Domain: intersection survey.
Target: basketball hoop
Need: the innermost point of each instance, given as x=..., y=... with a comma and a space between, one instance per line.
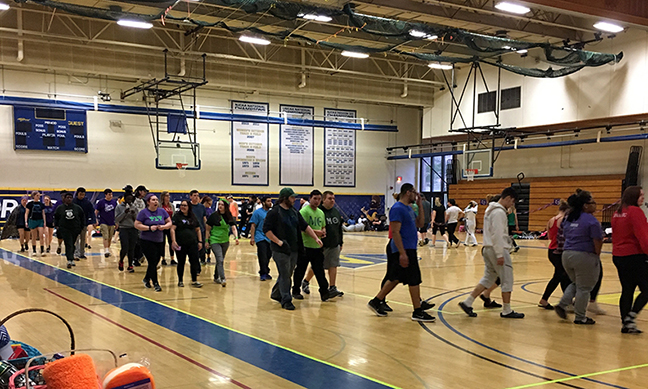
x=470, y=174
x=182, y=167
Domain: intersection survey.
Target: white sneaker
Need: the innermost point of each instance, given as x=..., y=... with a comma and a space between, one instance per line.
x=594, y=308
x=43, y=253
x=34, y=254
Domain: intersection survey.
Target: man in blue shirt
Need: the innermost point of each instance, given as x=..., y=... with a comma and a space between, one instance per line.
x=264, y=253
x=402, y=259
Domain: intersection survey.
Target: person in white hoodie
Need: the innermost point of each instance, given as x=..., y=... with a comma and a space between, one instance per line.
x=471, y=223
x=496, y=256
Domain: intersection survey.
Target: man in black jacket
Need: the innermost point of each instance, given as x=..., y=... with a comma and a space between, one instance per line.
x=88, y=219
x=69, y=220
x=282, y=226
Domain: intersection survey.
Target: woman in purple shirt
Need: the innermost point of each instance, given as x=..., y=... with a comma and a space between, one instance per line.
x=581, y=252
x=152, y=221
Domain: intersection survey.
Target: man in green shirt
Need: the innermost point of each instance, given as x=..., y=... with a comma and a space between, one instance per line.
x=313, y=252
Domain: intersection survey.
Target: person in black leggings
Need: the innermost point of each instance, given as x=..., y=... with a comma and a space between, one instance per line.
x=560, y=276
x=152, y=221
x=187, y=241
x=125, y=215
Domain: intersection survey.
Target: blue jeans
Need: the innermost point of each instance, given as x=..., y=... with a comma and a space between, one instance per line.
x=285, y=266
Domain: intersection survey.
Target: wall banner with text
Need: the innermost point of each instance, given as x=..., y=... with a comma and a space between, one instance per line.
x=296, y=151
x=250, y=146
x=339, y=150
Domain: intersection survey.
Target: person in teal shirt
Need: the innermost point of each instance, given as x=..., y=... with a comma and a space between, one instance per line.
x=264, y=253
x=218, y=228
x=313, y=252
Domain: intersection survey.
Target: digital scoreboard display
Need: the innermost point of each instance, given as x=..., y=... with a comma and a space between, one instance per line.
x=50, y=129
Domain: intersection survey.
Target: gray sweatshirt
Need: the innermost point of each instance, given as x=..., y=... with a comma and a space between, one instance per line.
x=496, y=229
x=125, y=215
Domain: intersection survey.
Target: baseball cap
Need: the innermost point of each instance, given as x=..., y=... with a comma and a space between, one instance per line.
x=141, y=187
x=287, y=192
x=128, y=188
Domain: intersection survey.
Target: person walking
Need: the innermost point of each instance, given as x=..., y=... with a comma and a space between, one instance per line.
x=258, y=238
x=402, y=261
x=70, y=221
x=200, y=212
x=427, y=219
x=219, y=225
x=247, y=209
x=151, y=222
x=207, y=202
x=581, y=255
x=452, y=217
x=471, y=223
x=630, y=256
x=186, y=240
x=21, y=225
x=313, y=252
x=49, y=222
x=234, y=208
x=282, y=226
x=105, y=211
x=125, y=216
x=513, y=226
x=35, y=220
x=139, y=203
x=165, y=203
x=89, y=220
x=496, y=256
x=559, y=277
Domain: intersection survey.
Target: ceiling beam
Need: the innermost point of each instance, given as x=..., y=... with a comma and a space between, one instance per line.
x=629, y=11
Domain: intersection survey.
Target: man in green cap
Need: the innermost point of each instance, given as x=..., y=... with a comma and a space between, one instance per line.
x=282, y=226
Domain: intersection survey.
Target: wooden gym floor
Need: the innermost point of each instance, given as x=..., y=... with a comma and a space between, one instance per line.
x=236, y=336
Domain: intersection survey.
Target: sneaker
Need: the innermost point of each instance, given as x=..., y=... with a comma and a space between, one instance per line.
x=48, y=250
x=22, y=249
x=492, y=304
x=147, y=283
x=174, y=262
x=34, y=254
x=217, y=280
x=121, y=266
x=223, y=283
x=202, y=262
x=594, y=308
x=298, y=296
x=69, y=265
x=548, y=307
x=164, y=262
x=87, y=246
x=334, y=292
x=180, y=284
x=43, y=254
x=561, y=312
x=425, y=305
x=131, y=270
x=467, y=309
x=376, y=307
x=277, y=299
x=208, y=259
x=157, y=288
x=58, y=251
x=83, y=257
x=516, y=249
x=268, y=277
x=422, y=316
x=426, y=241
x=262, y=277
x=386, y=307
x=196, y=284
x=289, y=306
x=587, y=321
x=136, y=263
x=628, y=330
x=326, y=297
x=305, y=287
x=106, y=255
x=512, y=315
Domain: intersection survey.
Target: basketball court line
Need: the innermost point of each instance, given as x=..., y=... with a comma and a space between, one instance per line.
x=580, y=376
x=286, y=363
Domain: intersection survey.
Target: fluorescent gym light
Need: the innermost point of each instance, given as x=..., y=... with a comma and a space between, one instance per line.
x=417, y=33
x=134, y=24
x=608, y=27
x=523, y=51
x=253, y=40
x=4, y=7
x=440, y=66
x=354, y=54
x=319, y=18
x=512, y=8
x=432, y=37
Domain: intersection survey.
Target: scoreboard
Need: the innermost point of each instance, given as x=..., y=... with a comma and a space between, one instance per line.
x=50, y=129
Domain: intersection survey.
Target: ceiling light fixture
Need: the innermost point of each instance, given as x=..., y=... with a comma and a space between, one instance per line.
x=4, y=7
x=440, y=66
x=134, y=23
x=432, y=37
x=354, y=54
x=512, y=8
x=523, y=51
x=608, y=27
x=319, y=18
x=417, y=33
x=253, y=40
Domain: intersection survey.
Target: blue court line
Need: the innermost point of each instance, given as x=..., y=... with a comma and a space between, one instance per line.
x=443, y=320
x=288, y=364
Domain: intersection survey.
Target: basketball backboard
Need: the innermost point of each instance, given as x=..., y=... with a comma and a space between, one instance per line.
x=480, y=161
x=170, y=154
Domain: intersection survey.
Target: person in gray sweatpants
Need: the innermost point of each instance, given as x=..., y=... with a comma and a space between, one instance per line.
x=583, y=242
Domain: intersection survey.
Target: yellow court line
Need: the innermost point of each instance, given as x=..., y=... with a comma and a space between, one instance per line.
x=211, y=322
x=173, y=191
x=579, y=377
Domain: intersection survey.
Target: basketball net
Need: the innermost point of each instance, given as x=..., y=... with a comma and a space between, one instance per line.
x=470, y=174
x=182, y=168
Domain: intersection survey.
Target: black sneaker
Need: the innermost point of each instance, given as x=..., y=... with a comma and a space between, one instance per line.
x=147, y=283
x=69, y=265
x=268, y=277
x=22, y=249
x=516, y=249
x=467, y=309
x=157, y=288
x=196, y=284
x=422, y=316
x=512, y=315
x=131, y=270
x=334, y=292
x=386, y=307
x=298, y=296
x=587, y=321
x=180, y=284
x=560, y=311
x=48, y=250
x=277, y=299
x=106, y=255
x=164, y=262
x=136, y=263
x=425, y=305
x=174, y=262
x=58, y=251
x=492, y=304
x=289, y=306
x=305, y=287
x=83, y=257
x=120, y=266
x=548, y=307
x=376, y=307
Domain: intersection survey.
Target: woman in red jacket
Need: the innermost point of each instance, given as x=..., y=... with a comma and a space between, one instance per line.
x=630, y=255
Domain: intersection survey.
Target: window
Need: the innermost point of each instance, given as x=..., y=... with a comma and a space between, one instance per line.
x=426, y=172
x=511, y=98
x=486, y=102
x=437, y=174
x=448, y=159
